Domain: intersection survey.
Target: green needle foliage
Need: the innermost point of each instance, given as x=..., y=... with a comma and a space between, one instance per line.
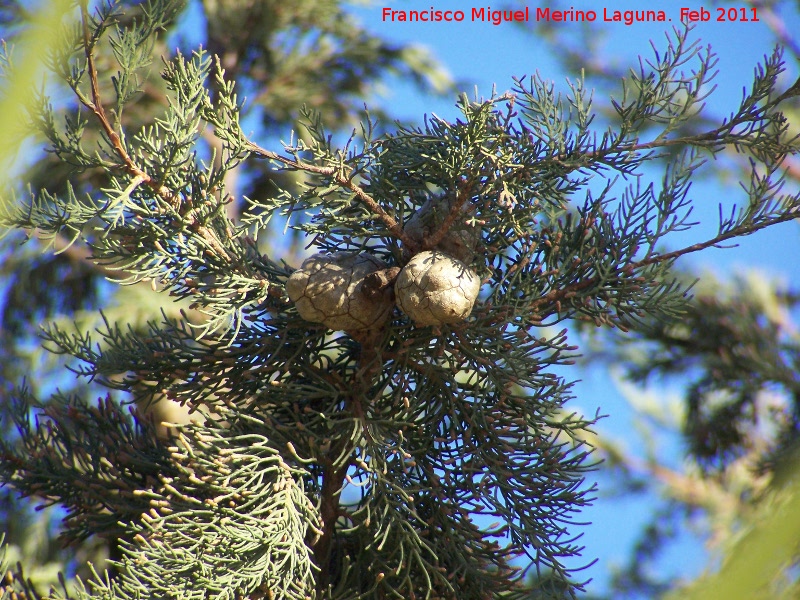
x=394, y=462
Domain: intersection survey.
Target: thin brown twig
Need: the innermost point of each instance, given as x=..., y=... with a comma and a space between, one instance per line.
x=733, y=233
x=97, y=107
x=557, y=296
x=395, y=228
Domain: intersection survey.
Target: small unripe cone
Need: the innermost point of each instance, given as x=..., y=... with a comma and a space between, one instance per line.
x=461, y=239
x=434, y=288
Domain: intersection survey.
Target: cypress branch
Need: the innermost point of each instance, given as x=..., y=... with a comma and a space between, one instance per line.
x=363, y=464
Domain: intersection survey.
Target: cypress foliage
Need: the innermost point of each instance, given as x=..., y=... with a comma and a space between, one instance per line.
x=402, y=459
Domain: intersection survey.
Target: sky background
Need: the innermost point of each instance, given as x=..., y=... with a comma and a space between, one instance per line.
x=481, y=55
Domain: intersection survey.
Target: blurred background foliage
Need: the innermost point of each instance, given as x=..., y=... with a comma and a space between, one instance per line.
x=735, y=352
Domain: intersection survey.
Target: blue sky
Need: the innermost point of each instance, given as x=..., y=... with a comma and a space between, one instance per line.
x=482, y=55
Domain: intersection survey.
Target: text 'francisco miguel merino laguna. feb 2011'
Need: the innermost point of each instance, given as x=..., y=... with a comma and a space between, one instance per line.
x=571, y=15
